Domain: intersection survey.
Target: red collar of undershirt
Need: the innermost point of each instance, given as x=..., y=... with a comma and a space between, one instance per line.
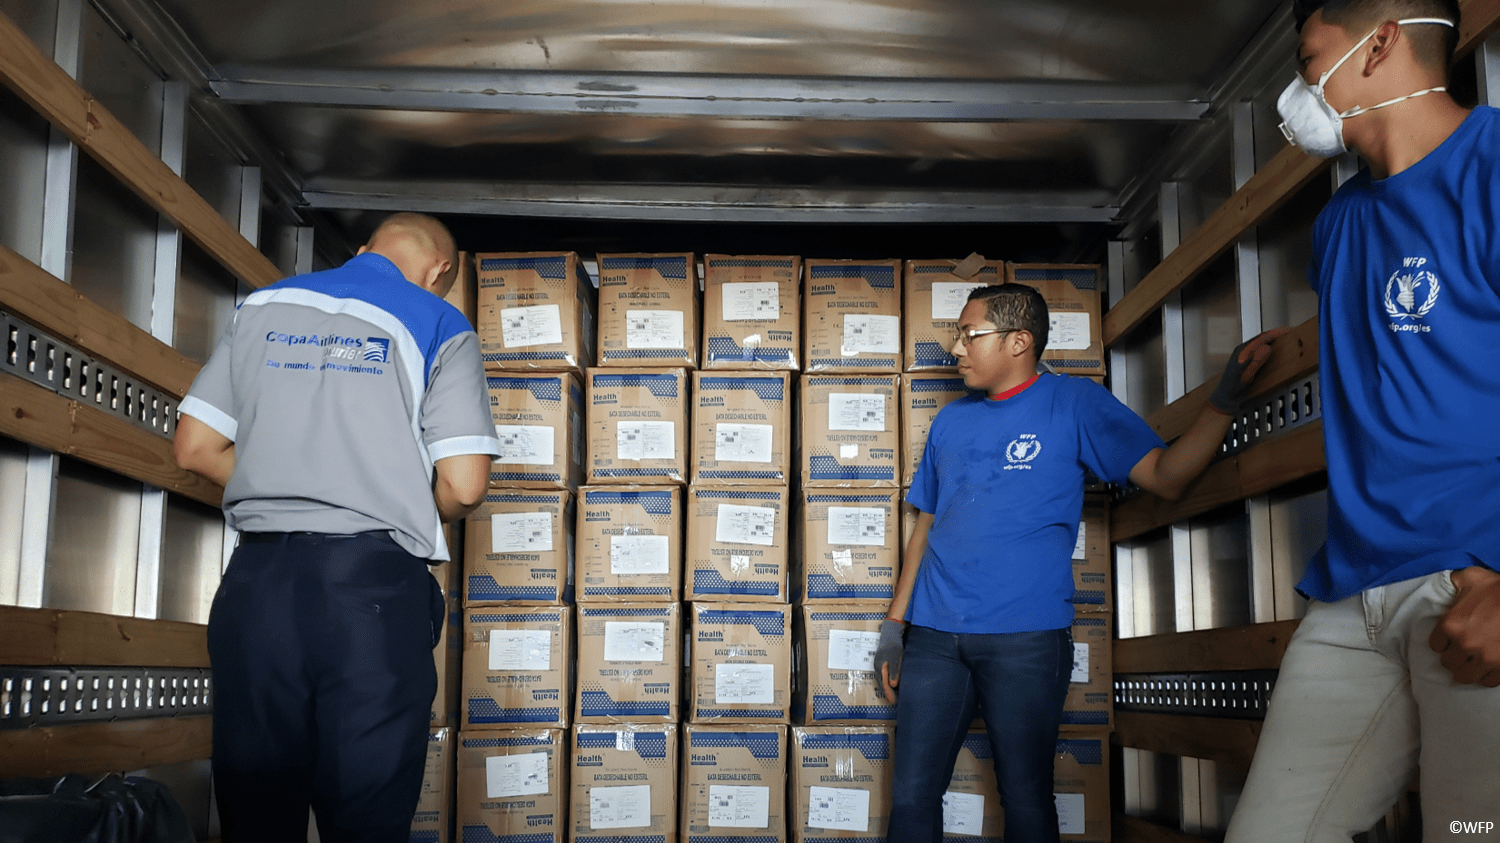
x=1015, y=390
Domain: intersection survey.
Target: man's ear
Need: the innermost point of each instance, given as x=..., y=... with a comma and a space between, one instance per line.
x=361, y=250
x=1022, y=342
x=1380, y=46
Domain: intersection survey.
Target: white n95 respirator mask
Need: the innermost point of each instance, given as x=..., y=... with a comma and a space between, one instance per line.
x=1311, y=124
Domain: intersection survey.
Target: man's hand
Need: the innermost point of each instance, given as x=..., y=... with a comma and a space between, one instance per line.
x=1467, y=636
x=1241, y=368
x=888, y=658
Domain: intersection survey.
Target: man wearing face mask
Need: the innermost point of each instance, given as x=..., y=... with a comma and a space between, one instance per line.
x=1395, y=665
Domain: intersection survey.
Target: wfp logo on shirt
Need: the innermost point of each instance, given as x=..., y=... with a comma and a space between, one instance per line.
x=1410, y=295
x=1021, y=452
x=375, y=350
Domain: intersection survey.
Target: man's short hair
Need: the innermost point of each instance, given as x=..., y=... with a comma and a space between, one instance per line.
x=1434, y=46
x=426, y=231
x=1017, y=307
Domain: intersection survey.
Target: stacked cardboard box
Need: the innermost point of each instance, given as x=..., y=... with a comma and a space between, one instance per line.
x=841, y=783
x=647, y=310
x=535, y=312
x=1073, y=296
x=623, y=783
x=852, y=322
x=936, y=290
x=752, y=313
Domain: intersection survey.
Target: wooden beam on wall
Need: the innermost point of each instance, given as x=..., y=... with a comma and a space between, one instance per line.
x=69, y=637
x=112, y=746
x=1225, y=740
x=1264, y=466
x=55, y=96
x=59, y=309
x=1244, y=648
x=40, y=417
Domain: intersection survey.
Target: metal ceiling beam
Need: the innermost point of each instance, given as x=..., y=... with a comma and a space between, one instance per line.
x=682, y=95
x=713, y=203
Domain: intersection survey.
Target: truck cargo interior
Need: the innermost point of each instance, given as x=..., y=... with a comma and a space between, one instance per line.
x=160, y=160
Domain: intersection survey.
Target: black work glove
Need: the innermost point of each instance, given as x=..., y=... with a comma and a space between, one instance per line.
x=888, y=657
x=1245, y=361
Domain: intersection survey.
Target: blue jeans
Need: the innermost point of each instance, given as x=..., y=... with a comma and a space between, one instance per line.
x=1018, y=681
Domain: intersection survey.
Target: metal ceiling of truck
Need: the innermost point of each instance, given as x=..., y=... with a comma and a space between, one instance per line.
x=839, y=112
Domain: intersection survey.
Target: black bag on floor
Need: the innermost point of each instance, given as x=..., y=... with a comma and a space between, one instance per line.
x=75, y=808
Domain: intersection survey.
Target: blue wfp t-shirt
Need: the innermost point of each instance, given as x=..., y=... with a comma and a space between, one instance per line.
x=1005, y=483
x=1407, y=270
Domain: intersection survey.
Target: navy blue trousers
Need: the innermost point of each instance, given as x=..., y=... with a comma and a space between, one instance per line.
x=1018, y=681
x=321, y=651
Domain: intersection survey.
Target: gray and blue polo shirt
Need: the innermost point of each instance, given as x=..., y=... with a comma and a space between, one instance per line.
x=341, y=389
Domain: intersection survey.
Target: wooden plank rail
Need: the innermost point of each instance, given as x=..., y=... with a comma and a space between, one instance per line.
x=98, y=747
x=1282, y=459
x=69, y=637
x=59, y=309
x=1136, y=829
x=1251, y=646
x=1225, y=740
x=43, y=418
x=55, y=95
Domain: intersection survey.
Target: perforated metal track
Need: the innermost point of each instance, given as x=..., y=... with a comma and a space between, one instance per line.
x=1216, y=694
x=38, y=357
x=32, y=696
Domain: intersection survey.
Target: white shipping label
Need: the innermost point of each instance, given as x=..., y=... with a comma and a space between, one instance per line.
x=848, y=451
x=839, y=809
x=646, y=440
x=964, y=813
x=745, y=525
x=1079, y=542
x=744, y=683
x=1068, y=331
x=949, y=298
x=852, y=650
x=856, y=412
x=1071, y=812
x=738, y=806
x=655, y=329
x=516, y=532
x=856, y=525
x=634, y=641
x=744, y=442
x=518, y=774
x=1080, y=673
x=523, y=444
x=738, y=564
x=871, y=334
x=640, y=555
x=620, y=806
x=524, y=326
x=751, y=301
x=518, y=650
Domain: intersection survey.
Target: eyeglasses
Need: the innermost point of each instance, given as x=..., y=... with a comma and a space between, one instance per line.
x=967, y=336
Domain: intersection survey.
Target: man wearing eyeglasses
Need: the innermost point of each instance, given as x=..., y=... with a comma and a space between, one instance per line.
x=985, y=582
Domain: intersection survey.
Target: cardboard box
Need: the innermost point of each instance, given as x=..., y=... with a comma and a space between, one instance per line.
x=1082, y=786
x=628, y=662
x=623, y=783
x=741, y=663
x=841, y=783
x=741, y=428
x=648, y=314
x=751, y=312
x=539, y=422
x=535, y=312
x=852, y=321
x=1074, y=316
x=637, y=425
x=733, y=783
x=837, y=669
x=1089, y=278
x=850, y=433
x=849, y=545
x=1088, y=705
x=737, y=544
x=511, y=785
x=445, y=710
x=972, y=805
x=628, y=543
x=463, y=293
x=435, y=816
x=1092, y=562
x=922, y=395
x=935, y=295
x=516, y=666
x=520, y=548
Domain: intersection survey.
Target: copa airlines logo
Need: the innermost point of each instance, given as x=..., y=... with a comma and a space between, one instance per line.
x=1410, y=295
x=375, y=350
x=1022, y=451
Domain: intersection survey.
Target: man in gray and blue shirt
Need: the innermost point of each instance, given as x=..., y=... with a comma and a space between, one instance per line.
x=346, y=415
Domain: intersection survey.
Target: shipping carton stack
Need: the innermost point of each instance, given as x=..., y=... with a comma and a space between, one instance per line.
x=1074, y=315
x=936, y=290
